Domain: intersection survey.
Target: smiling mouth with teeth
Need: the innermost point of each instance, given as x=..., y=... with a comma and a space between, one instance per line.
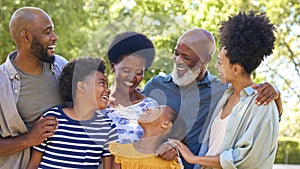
x=105, y=97
x=51, y=47
x=128, y=83
x=180, y=68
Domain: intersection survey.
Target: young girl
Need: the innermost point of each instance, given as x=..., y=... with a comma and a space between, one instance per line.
x=158, y=124
x=241, y=134
x=82, y=136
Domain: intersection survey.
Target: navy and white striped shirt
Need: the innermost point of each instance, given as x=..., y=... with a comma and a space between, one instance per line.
x=77, y=144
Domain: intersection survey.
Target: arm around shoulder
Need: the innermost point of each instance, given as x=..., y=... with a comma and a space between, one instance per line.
x=278, y=103
x=13, y=145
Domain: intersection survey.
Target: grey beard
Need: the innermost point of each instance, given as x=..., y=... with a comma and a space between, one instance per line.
x=188, y=76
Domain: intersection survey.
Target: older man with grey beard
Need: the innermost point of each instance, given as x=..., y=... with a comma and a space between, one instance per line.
x=191, y=90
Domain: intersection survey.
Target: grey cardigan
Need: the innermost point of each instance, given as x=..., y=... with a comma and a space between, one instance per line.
x=11, y=124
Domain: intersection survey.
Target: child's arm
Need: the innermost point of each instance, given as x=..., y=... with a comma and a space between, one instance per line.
x=115, y=165
x=35, y=159
x=107, y=162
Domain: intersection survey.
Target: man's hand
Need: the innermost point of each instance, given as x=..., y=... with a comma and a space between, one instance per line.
x=41, y=129
x=167, y=152
x=266, y=93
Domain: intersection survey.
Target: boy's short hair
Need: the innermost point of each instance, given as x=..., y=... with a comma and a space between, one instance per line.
x=77, y=70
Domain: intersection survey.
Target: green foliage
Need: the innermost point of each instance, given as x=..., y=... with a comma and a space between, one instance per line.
x=288, y=151
x=87, y=27
x=6, y=43
x=69, y=18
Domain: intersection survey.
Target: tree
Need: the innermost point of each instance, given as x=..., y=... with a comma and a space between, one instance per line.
x=86, y=28
x=69, y=18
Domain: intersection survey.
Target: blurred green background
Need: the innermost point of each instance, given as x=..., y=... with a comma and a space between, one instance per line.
x=85, y=28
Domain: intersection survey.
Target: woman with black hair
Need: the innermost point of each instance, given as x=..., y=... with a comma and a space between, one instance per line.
x=129, y=54
x=241, y=133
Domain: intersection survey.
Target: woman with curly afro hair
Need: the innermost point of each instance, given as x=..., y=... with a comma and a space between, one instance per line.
x=241, y=133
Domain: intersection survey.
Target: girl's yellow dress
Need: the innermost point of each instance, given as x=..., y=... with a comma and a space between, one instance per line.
x=129, y=158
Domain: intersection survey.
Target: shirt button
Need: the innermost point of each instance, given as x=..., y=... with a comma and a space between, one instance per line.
x=16, y=91
x=17, y=77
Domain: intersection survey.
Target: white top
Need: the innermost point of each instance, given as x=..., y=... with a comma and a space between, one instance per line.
x=217, y=134
x=251, y=134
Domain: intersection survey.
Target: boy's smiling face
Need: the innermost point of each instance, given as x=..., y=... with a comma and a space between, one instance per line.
x=97, y=91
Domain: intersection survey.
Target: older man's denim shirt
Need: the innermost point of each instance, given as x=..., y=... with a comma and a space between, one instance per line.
x=194, y=102
x=251, y=134
x=10, y=121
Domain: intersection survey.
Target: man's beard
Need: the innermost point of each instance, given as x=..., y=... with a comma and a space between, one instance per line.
x=188, y=77
x=40, y=52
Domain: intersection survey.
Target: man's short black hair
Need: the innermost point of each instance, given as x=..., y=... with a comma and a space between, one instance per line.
x=131, y=43
x=247, y=38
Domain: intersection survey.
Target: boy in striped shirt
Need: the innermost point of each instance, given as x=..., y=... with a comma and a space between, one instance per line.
x=82, y=136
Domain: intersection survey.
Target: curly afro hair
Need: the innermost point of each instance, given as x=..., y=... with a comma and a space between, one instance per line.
x=128, y=43
x=77, y=70
x=247, y=38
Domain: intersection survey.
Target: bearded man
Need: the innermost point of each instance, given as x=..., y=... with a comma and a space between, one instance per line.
x=29, y=85
x=192, y=91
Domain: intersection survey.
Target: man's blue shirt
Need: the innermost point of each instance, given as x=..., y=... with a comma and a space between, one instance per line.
x=195, y=103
